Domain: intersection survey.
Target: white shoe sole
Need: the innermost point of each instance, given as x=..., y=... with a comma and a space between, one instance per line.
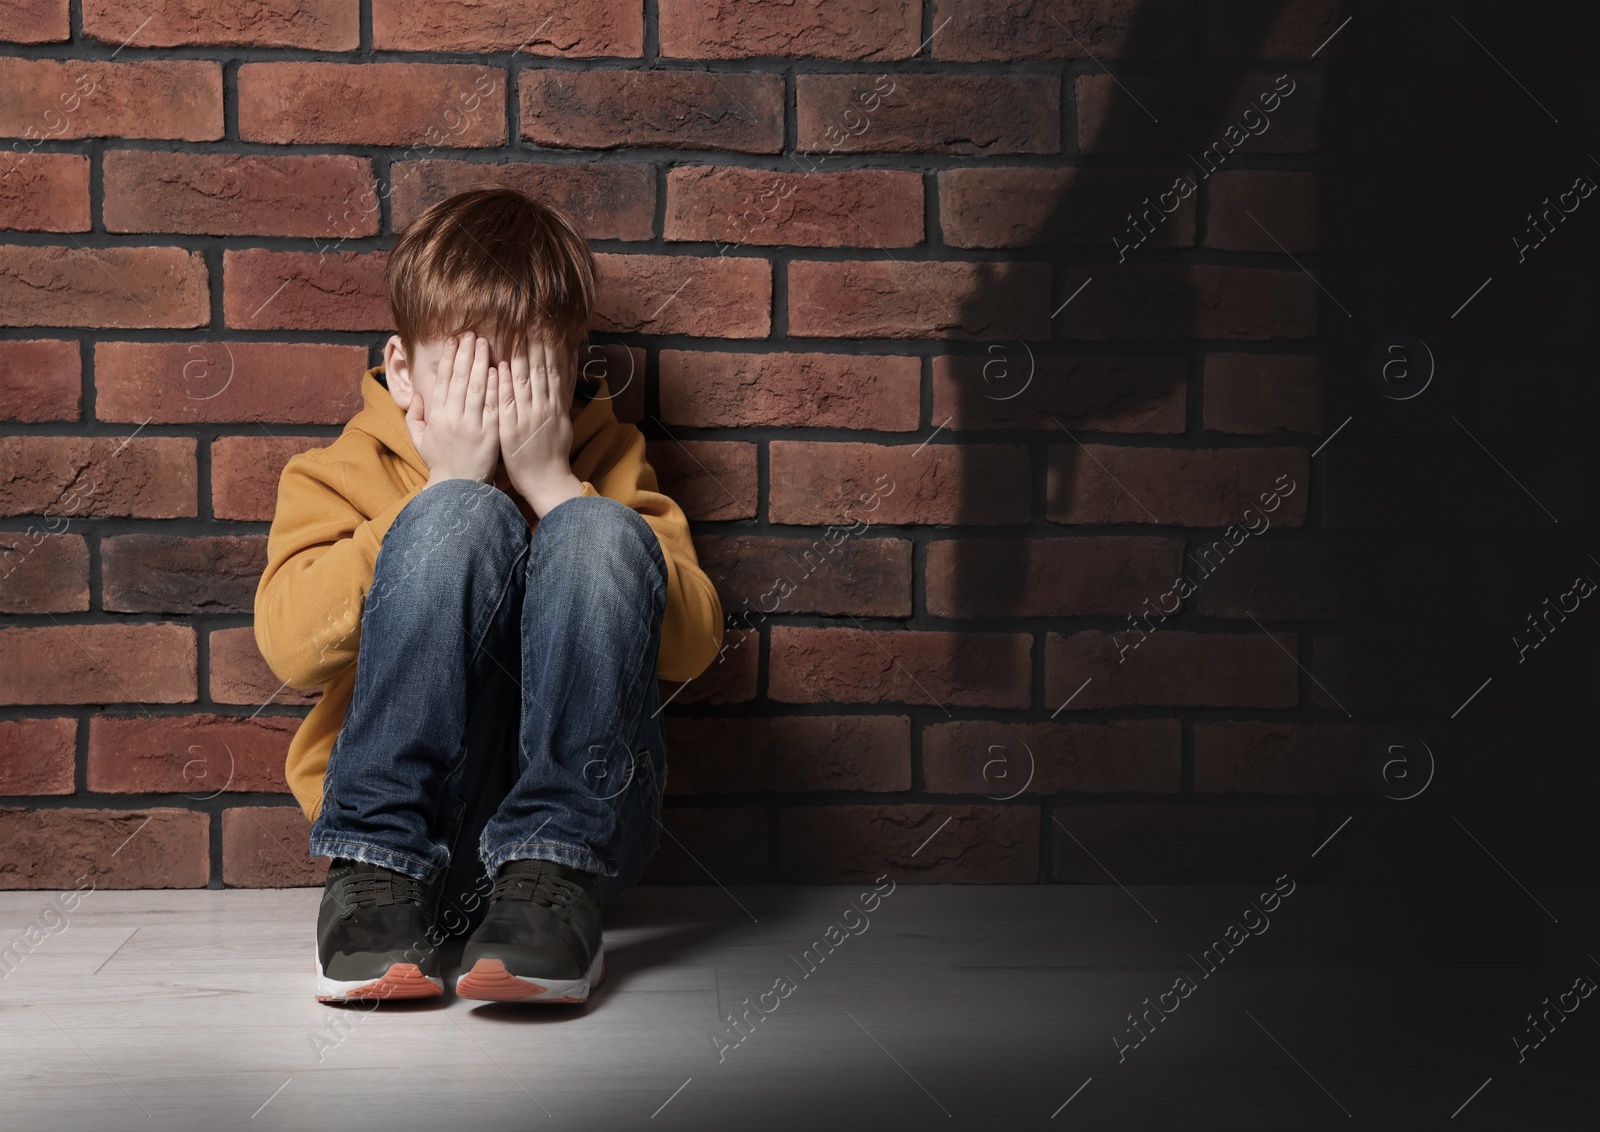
x=489, y=981
x=400, y=981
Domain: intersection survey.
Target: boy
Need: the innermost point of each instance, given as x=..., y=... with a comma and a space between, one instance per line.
x=515, y=585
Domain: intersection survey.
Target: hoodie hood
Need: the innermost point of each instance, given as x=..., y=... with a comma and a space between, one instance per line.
x=384, y=421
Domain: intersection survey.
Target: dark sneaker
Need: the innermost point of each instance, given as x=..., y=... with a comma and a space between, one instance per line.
x=372, y=936
x=540, y=937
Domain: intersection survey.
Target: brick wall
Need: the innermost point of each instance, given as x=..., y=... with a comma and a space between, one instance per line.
x=952, y=392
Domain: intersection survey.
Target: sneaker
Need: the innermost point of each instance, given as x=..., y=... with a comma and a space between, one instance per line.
x=372, y=936
x=540, y=937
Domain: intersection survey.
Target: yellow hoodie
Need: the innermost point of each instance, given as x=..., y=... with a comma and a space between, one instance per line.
x=336, y=503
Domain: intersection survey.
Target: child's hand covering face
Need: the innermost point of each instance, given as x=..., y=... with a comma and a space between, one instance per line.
x=535, y=420
x=457, y=432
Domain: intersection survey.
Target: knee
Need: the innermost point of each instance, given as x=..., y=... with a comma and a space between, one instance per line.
x=456, y=523
x=603, y=540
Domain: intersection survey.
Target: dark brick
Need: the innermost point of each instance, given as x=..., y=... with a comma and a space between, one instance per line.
x=1170, y=667
x=1179, y=844
x=1004, y=760
x=175, y=574
x=831, y=573
x=910, y=844
x=790, y=753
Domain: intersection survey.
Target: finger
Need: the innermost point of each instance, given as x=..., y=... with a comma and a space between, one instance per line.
x=477, y=379
x=440, y=389
x=555, y=376
x=493, y=398
x=519, y=392
x=519, y=357
x=539, y=377
x=461, y=370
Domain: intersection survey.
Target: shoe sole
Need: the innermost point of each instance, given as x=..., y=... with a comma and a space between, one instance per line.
x=400, y=981
x=489, y=981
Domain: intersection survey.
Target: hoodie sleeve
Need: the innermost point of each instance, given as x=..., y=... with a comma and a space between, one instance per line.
x=321, y=552
x=612, y=463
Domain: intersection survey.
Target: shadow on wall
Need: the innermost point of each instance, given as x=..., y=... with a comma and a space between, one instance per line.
x=1306, y=305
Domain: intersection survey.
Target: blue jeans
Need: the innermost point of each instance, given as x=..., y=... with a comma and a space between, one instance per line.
x=505, y=691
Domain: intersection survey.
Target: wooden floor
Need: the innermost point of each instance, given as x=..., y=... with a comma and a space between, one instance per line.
x=952, y=1007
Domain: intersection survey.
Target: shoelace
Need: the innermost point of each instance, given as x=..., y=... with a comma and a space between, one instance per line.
x=366, y=890
x=540, y=887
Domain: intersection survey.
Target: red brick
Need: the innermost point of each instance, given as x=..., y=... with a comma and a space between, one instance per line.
x=862, y=666
x=239, y=675
x=1178, y=300
x=44, y=192
x=608, y=201
x=245, y=471
x=320, y=25
x=181, y=573
x=227, y=194
x=37, y=21
x=106, y=664
x=703, y=389
x=830, y=573
x=726, y=297
x=142, y=477
x=1055, y=577
x=1006, y=760
x=622, y=370
x=1009, y=386
x=572, y=30
x=1273, y=29
x=1282, y=758
x=198, y=755
x=1262, y=393
x=41, y=380
x=709, y=479
x=1306, y=580
x=89, y=850
x=264, y=290
x=922, y=299
x=788, y=754
x=1170, y=667
x=36, y=756
x=862, y=208
x=1081, y=208
x=681, y=109
x=964, y=114
x=1213, y=117
x=1286, y=205
x=910, y=844
x=846, y=29
x=816, y=482
x=122, y=288
x=711, y=846
x=729, y=679
x=180, y=383
x=1179, y=844
x=269, y=847
x=43, y=570
x=1007, y=30
x=173, y=99
x=1188, y=487
x=392, y=104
